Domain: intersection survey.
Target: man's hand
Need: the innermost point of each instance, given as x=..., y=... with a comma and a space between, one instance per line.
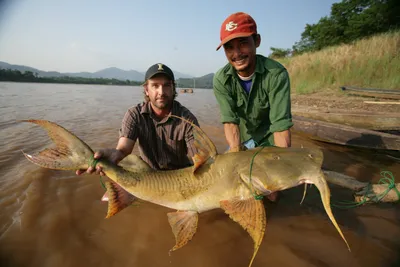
x=237, y=149
x=113, y=155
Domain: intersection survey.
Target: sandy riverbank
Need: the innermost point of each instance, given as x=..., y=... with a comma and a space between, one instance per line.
x=331, y=99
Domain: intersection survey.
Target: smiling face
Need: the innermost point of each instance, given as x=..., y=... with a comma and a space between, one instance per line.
x=241, y=54
x=160, y=91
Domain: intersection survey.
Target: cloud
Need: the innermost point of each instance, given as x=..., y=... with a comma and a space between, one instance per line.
x=73, y=45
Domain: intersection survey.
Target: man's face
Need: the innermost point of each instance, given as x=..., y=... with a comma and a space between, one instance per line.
x=160, y=91
x=241, y=54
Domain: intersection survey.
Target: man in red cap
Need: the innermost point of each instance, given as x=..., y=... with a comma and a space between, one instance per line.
x=253, y=91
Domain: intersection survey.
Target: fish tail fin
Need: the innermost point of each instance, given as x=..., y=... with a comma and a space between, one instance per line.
x=70, y=153
x=325, y=193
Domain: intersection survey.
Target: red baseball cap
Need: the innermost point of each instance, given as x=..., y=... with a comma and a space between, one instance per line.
x=237, y=25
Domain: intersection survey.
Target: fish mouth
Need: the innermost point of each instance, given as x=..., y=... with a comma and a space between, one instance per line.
x=305, y=181
x=261, y=189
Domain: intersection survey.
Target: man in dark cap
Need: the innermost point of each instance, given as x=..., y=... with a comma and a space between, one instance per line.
x=165, y=143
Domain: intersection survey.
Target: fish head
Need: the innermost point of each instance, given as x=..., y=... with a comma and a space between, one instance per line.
x=268, y=170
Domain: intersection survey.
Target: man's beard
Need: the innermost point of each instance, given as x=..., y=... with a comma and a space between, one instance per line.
x=163, y=105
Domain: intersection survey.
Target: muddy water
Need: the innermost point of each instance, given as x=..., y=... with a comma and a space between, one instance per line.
x=54, y=218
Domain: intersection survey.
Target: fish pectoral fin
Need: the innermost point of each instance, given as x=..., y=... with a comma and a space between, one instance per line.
x=200, y=158
x=118, y=198
x=250, y=214
x=184, y=226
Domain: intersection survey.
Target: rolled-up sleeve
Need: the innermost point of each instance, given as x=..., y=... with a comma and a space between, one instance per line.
x=226, y=103
x=279, y=97
x=129, y=127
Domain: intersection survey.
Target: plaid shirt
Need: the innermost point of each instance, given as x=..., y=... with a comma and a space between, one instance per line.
x=165, y=145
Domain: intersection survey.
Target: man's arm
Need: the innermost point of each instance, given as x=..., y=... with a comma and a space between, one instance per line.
x=123, y=149
x=280, y=114
x=282, y=139
x=128, y=133
x=232, y=135
x=228, y=114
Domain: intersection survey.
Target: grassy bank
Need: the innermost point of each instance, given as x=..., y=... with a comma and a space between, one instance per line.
x=369, y=63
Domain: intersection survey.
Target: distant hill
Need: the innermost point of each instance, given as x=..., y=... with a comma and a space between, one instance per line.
x=4, y=65
x=115, y=73
x=179, y=75
x=205, y=81
x=108, y=73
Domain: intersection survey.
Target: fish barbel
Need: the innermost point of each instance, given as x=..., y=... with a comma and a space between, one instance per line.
x=233, y=182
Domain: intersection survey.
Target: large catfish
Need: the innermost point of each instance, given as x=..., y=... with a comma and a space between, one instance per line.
x=234, y=182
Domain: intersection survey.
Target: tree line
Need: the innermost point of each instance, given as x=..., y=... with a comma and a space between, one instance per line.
x=349, y=20
x=29, y=76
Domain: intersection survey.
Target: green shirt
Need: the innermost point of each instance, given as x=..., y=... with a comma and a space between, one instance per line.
x=265, y=110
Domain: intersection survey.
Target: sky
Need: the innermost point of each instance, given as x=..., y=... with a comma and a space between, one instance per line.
x=90, y=35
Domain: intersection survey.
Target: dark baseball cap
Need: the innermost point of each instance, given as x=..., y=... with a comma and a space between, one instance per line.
x=159, y=68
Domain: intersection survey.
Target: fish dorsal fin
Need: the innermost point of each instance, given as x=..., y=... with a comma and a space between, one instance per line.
x=250, y=214
x=184, y=226
x=206, y=149
x=118, y=198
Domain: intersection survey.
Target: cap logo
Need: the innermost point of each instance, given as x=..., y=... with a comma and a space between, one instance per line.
x=160, y=66
x=230, y=26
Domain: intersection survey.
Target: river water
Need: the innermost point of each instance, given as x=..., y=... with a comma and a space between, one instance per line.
x=55, y=218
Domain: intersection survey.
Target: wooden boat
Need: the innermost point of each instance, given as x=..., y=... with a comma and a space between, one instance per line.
x=189, y=90
x=345, y=135
x=366, y=120
x=380, y=93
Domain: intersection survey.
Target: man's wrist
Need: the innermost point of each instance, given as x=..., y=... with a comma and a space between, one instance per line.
x=238, y=148
x=119, y=155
